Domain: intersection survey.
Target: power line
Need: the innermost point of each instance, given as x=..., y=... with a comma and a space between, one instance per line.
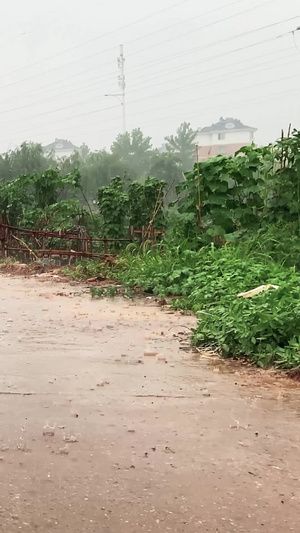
x=179, y=103
x=134, y=70
x=53, y=56
x=294, y=39
x=189, y=52
x=213, y=23
x=112, y=48
x=226, y=53
x=102, y=109
x=247, y=68
x=101, y=52
x=67, y=78
x=213, y=69
x=191, y=19
x=235, y=102
x=220, y=79
x=222, y=55
x=222, y=41
x=211, y=95
x=96, y=85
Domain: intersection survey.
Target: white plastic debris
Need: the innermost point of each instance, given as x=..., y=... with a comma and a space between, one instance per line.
x=258, y=290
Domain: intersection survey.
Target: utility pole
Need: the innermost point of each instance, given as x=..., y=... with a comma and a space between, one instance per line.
x=122, y=83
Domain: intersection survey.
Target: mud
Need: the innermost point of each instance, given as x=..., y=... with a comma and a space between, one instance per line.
x=108, y=422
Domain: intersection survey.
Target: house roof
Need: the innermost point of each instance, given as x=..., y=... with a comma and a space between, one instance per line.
x=60, y=144
x=226, y=124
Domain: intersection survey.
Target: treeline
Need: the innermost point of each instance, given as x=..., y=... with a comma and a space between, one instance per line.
x=131, y=156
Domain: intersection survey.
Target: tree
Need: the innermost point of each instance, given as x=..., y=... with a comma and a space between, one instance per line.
x=133, y=149
x=5, y=167
x=166, y=166
x=98, y=169
x=182, y=144
x=67, y=164
x=84, y=151
x=29, y=158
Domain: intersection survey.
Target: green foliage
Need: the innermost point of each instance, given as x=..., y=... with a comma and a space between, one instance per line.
x=64, y=215
x=49, y=186
x=113, y=207
x=108, y=292
x=226, y=196
x=166, y=167
x=98, y=169
x=235, y=225
x=221, y=195
x=282, y=187
x=132, y=157
x=34, y=200
x=260, y=328
x=146, y=201
x=86, y=269
x=134, y=150
x=29, y=158
x=265, y=328
x=182, y=144
x=278, y=242
x=137, y=207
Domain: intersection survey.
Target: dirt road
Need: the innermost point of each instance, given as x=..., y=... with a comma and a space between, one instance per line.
x=141, y=442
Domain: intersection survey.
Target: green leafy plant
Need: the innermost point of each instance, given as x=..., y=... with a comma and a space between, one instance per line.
x=146, y=202
x=142, y=204
x=182, y=145
x=207, y=282
x=97, y=292
x=113, y=207
x=35, y=200
x=108, y=292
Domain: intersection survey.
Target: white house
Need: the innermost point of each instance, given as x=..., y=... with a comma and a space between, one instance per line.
x=61, y=148
x=223, y=138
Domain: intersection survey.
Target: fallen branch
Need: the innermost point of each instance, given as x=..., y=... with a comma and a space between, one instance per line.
x=26, y=246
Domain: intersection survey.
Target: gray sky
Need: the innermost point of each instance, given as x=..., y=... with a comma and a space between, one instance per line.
x=188, y=60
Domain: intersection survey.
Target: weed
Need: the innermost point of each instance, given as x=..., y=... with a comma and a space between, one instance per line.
x=107, y=292
x=86, y=269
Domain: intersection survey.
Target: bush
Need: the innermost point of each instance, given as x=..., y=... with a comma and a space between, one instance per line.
x=265, y=328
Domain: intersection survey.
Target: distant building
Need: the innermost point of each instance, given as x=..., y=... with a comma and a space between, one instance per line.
x=223, y=138
x=61, y=148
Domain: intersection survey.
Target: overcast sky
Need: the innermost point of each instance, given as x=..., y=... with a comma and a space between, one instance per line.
x=188, y=60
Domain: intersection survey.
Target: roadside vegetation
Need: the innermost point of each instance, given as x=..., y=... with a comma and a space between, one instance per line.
x=234, y=225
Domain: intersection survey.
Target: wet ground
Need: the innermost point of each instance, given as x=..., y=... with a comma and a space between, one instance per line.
x=108, y=423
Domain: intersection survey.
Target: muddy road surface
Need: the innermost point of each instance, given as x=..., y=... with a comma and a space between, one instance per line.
x=106, y=425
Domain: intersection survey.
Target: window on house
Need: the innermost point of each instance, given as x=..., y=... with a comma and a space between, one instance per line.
x=221, y=136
